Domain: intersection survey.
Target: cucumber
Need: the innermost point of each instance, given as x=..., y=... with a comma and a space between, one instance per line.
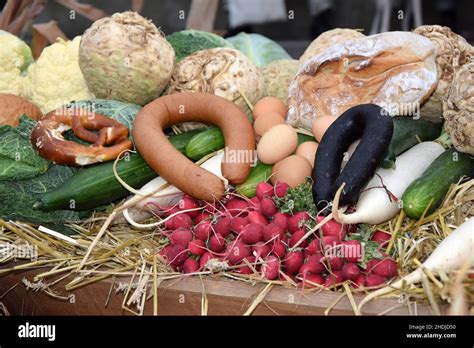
x=304, y=138
x=96, y=185
x=261, y=172
x=431, y=188
x=407, y=132
x=207, y=141
x=180, y=141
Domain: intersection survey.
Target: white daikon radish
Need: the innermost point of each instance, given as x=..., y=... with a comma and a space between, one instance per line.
x=379, y=200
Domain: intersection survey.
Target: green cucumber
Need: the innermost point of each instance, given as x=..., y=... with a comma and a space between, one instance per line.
x=428, y=191
x=407, y=132
x=207, y=141
x=180, y=141
x=94, y=186
x=302, y=138
x=261, y=172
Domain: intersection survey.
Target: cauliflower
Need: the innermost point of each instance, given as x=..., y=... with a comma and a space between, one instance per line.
x=15, y=57
x=56, y=79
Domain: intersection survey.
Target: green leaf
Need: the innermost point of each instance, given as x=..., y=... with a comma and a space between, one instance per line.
x=18, y=160
x=299, y=198
x=18, y=197
x=258, y=48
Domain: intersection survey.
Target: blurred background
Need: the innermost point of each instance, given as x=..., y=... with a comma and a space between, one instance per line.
x=293, y=23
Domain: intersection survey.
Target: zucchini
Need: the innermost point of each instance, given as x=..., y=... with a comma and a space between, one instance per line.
x=96, y=185
x=428, y=191
x=407, y=132
x=207, y=141
x=261, y=172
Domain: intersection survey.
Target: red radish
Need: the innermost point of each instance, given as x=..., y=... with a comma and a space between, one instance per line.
x=203, y=230
x=254, y=203
x=261, y=249
x=311, y=279
x=296, y=221
x=271, y=267
x=252, y=233
x=352, y=251
x=279, y=249
x=264, y=189
x=237, y=251
x=335, y=262
x=386, y=268
x=350, y=271
x=293, y=262
x=204, y=258
x=237, y=223
x=374, y=280
x=180, y=255
x=181, y=237
x=188, y=202
x=168, y=253
x=222, y=226
x=314, y=246
x=297, y=236
x=281, y=219
x=360, y=281
x=197, y=247
x=217, y=243
x=334, y=279
x=179, y=221
x=190, y=266
x=281, y=188
x=285, y=239
x=211, y=208
x=272, y=231
x=167, y=211
x=257, y=218
x=202, y=217
x=381, y=237
x=236, y=206
x=330, y=244
x=268, y=207
x=246, y=269
x=332, y=228
x=314, y=264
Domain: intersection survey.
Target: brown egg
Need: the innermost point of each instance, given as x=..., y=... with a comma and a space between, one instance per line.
x=13, y=107
x=267, y=121
x=293, y=170
x=277, y=143
x=320, y=125
x=308, y=151
x=269, y=104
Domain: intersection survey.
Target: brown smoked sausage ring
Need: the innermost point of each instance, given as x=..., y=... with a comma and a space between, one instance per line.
x=161, y=155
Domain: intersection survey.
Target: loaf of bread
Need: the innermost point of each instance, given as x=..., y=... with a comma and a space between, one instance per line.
x=12, y=107
x=395, y=70
x=327, y=39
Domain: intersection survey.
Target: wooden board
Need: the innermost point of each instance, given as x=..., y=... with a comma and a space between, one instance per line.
x=183, y=297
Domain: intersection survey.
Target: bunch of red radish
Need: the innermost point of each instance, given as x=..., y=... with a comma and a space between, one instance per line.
x=252, y=235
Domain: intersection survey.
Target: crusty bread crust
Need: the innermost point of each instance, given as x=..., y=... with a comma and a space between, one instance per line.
x=386, y=69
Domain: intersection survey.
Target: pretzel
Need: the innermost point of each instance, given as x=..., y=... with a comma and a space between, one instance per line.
x=47, y=138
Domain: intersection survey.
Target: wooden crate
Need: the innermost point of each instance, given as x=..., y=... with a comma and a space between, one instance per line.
x=183, y=297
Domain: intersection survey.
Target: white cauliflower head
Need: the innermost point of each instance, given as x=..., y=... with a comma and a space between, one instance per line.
x=55, y=78
x=15, y=57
